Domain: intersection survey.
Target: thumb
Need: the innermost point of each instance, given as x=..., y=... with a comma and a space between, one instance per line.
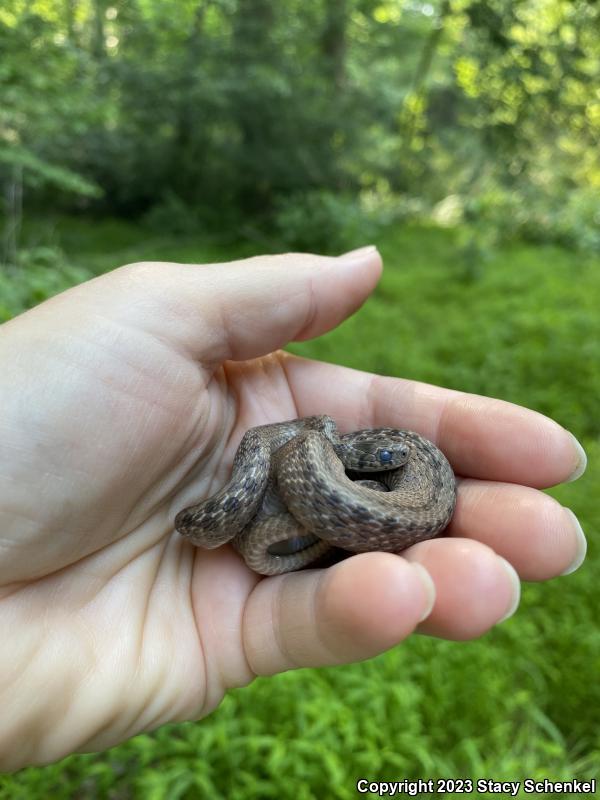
x=245, y=309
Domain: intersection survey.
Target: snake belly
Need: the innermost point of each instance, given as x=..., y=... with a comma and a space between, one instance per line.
x=298, y=489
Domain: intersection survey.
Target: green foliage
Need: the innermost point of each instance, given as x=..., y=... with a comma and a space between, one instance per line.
x=172, y=216
x=260, y=111
x=38, y=172
x=520, y=702
x=571, y=220
x=323, y=222
x=40, y=274
x=40, y=122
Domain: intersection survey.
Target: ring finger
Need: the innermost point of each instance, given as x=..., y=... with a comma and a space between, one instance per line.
x=530, y=529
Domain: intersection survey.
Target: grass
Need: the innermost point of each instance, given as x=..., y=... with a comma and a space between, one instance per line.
x=522, y=701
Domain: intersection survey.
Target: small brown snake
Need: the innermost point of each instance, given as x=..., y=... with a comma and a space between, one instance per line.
x=299, y=488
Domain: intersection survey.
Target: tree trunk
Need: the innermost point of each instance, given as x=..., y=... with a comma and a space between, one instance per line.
x=252, y=39
x=97, y=42
x=185, y=114
x=13, y=200
x=333, y=42
x=419, y=89
x=430, y=48
x=70, y=20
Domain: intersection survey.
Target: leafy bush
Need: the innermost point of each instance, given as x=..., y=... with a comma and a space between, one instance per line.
x=320, y=221
x=171, y=215
x=328, y=222
x=40, y=273
x=568, y=218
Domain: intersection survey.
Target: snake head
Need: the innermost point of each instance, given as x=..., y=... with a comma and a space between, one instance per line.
x=374, y=450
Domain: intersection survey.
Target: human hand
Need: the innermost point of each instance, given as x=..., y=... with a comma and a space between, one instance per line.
x=124, y=400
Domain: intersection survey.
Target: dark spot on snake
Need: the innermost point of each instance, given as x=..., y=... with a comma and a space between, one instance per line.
x=231, y=504
x=362, y=513
x=292, y=546
x=211, y=523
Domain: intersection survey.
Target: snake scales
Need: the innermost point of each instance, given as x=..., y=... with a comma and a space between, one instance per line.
x=299, y=488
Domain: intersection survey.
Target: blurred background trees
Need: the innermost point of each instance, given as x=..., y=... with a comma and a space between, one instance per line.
x=304, y=120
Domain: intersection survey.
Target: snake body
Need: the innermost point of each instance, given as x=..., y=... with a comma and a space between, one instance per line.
x=299, y=488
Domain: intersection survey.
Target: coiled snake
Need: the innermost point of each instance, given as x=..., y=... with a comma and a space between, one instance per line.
x=298, y=489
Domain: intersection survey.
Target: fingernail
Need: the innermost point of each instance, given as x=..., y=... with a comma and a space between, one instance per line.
x=360, y=252
x=428, y=585
x=581, y=460
x=516, y=588
x=581, y=544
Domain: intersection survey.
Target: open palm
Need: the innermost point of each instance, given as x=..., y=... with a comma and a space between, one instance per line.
x=124, y=400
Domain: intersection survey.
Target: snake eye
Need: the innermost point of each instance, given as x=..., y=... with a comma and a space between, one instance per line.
x=385, y=456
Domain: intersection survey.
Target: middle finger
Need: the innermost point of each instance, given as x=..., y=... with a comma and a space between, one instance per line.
x=530, y=529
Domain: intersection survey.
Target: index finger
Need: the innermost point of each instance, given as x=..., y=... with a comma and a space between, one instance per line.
x=482, y=437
